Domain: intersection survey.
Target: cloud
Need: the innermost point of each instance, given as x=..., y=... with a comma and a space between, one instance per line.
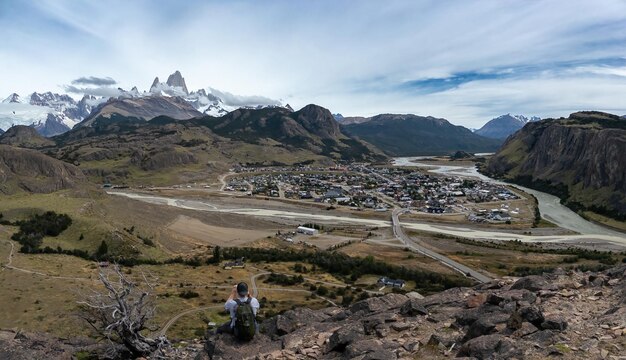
x=243, y=100
x=466, y=61
x=106, y=91
x=93, y=80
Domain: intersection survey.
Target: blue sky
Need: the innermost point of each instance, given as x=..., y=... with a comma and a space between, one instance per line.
x=467, y=61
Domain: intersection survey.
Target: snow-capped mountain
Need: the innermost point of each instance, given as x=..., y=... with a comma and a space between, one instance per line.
x=207, y=101
x=52, y=114
x=504, y=125
x=204, y=102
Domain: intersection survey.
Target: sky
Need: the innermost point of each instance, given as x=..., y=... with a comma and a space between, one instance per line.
x=466, y=61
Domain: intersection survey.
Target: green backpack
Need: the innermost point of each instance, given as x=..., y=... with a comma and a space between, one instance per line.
x=245, y=323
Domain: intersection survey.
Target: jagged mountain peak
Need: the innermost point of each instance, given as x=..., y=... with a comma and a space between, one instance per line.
x=155, y=83
x=177, y=80
x=13, y=98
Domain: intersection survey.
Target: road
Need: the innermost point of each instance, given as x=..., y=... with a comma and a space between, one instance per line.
x=413, y=244
x=255, y=289
x=10, y=259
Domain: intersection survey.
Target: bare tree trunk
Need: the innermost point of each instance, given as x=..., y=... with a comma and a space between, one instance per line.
x=122, y=311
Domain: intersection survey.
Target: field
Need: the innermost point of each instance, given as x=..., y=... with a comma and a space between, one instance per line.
x=215, y=235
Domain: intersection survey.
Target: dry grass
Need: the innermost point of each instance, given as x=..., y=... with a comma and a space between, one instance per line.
x=396, y=256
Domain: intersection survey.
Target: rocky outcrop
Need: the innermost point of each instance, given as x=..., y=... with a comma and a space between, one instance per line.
x=580, y=159
x=29, y=170
x=573, y=314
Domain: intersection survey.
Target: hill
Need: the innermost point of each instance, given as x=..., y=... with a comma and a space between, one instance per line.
x=166, y=150
x=411, y=135
x=29, y=170
x=504, y=125
x=24, y=136
x=144, y=108
x=580, y=159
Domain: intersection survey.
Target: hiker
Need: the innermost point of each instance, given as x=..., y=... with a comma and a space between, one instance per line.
x=242, y=308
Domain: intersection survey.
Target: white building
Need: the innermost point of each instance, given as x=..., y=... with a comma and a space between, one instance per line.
x=306, y=230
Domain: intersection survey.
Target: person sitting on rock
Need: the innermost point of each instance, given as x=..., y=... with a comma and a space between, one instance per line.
x=243, y=309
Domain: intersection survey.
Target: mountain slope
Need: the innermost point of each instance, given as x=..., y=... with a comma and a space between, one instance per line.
x=144, y=108
x=410, y=135
x=504, y=125
x=312, y=128
x=32, y=171
x=24, y=136
x=580, y=159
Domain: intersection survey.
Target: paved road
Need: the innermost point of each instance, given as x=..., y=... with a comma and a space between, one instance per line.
x=413, y=244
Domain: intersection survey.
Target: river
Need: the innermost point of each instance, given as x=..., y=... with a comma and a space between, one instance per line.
x=549, y=205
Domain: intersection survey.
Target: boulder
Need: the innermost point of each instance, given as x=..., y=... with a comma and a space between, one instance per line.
x=345, y=336
x=292, y=320
x=490, y=347
x=468, y=316
x=413, y=307
x=480, y=327
x=476, y=300
x=532, y=314
x=389, y=301
x=554, y=324
x=532, y=283
x=370, y=346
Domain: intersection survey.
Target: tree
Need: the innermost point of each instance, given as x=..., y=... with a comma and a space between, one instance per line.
x=121, y=312
x=103, y=249
x=216, y=255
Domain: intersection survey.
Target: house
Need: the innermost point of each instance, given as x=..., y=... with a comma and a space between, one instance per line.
x=306, y=230
x=237, y=264
x=391, y=282
x=333, y=194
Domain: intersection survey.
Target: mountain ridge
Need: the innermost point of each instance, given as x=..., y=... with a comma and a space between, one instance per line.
x=412, y=135
x=504, y=125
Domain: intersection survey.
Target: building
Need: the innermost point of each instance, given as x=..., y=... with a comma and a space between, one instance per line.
x=306, y=230
x=391, y=282
x=237, y=264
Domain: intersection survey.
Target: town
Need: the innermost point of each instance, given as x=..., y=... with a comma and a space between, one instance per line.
x=366, y=188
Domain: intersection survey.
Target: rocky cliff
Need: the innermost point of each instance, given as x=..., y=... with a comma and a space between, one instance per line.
x=580, y=159
x=29, y=170
x=569, y=315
